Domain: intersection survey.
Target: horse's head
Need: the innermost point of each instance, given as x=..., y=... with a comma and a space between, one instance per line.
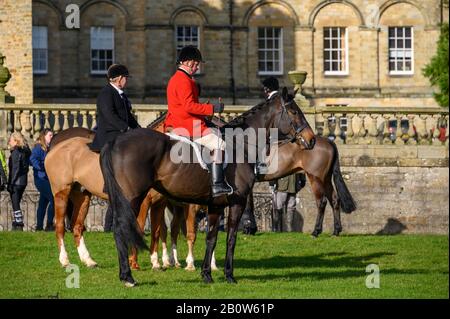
x=291, y=121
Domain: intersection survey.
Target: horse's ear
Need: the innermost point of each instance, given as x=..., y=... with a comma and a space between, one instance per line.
x=285, y=94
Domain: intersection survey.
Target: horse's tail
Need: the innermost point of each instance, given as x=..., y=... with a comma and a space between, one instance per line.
x=125, y=225
x=347, y=203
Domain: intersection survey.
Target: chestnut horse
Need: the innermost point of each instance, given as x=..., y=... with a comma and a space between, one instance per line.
x=140, y=160
x=74, y=174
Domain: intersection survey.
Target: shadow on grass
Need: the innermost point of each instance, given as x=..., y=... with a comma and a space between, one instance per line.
x=319, y=275
x=326, y=260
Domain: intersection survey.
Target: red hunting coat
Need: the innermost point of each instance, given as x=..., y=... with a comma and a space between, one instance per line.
x=183, y=105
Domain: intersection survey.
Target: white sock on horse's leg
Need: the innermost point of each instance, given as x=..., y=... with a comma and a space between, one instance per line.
x=165, y=256
x=190, y=257
x=154, y=260
x=174, y=256
x=63, y=257
x=84, y=254
x=190, y=262
x=213, y=261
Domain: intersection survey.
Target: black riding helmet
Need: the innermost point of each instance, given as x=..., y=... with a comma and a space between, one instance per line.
x=271, y=84
x=190, y=52
x=116, y=70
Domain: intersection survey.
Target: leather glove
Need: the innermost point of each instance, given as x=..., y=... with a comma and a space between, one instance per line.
x=218, y=107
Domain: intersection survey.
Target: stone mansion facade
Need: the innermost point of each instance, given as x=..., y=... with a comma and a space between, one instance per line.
x=366, y=53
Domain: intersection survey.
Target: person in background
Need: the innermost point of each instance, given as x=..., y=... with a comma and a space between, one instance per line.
x=41, y=181
x=18, y=175
x=284, y=192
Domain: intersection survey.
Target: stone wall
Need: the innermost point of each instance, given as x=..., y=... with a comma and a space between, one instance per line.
x=395, y=192
x=15, y=44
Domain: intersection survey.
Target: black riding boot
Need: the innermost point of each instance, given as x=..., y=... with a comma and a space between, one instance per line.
x=218, y=185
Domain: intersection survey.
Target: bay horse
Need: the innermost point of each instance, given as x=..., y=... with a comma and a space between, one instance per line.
x=140, y=160
x=320, y=166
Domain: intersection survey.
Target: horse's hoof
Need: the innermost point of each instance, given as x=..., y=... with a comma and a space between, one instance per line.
x=90, y=263
x=166, y=265
x=135, y=266
x=65, y=263
x=314, y=235
x=214, y=268
x=129, y=284
x=207, y=278
x=190, y=268
x=156, y=267
x=231, y=280
x=177, y=265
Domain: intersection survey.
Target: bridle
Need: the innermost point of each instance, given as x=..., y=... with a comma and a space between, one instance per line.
x=296, y=129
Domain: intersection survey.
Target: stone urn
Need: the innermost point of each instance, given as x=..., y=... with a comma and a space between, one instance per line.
x=4, y=78
x=298, y=78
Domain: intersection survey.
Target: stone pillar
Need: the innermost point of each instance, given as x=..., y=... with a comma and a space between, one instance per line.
x=5, y=97
x=298, y=78
x=16, y=45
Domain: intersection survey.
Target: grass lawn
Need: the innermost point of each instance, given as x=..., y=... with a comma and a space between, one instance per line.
x=268, y=265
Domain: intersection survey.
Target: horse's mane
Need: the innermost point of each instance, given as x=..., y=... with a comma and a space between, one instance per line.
x=240, y=120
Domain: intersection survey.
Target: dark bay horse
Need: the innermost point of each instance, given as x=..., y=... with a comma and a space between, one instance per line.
x=140, y=160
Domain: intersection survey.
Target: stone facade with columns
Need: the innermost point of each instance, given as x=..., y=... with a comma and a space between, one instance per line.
x=144, y=39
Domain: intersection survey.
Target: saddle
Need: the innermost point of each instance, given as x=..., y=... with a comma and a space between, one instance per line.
x=198, y=149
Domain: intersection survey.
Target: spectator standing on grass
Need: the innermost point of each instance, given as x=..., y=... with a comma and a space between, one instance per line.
x=41, y=181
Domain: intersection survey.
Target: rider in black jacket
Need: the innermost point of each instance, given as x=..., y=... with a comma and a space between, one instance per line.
x=113, y=108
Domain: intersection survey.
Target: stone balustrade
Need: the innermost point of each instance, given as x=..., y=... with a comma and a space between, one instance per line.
x=399, y=126
x=347, y=125
x=31, y=118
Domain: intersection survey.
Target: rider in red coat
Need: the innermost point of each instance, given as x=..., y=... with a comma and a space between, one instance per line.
x=185, y=114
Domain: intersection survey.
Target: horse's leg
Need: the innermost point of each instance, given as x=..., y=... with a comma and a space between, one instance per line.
x=143, y=212
x=81, y=202
x=235, y=214
x=189, y=213
x=163, y=235
x=61, y=198
x=214, y=214
x=213, y=261
x=157, y=217
x=178, y=212
x=321, y=202
x=334, y=202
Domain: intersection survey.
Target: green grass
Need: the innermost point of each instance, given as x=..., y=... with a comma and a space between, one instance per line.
x=268, y=265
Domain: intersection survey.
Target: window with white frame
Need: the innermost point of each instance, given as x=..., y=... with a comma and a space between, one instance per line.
x=401, y=50
x=270, y=50
x=102, y=49
x=335, y=55
x=40, y=50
